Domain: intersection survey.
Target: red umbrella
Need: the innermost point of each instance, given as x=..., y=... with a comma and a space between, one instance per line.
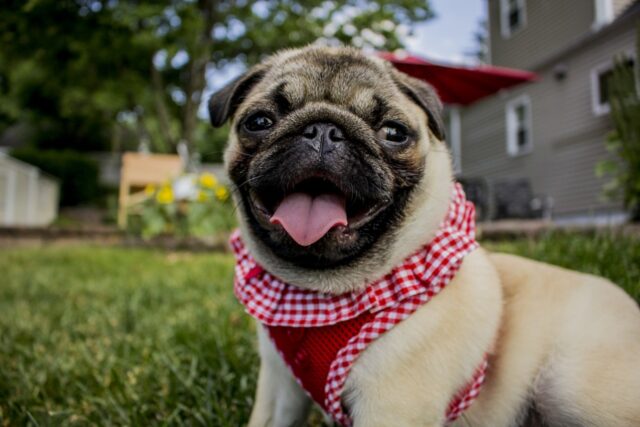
x=459, y=84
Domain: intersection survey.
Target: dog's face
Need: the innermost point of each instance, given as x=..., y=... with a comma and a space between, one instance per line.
x=328, y=156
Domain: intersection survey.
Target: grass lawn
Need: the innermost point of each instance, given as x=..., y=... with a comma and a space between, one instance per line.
x=108, y=336
x=615, y=257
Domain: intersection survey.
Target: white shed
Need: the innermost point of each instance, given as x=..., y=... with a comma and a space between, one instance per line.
x=28, y=196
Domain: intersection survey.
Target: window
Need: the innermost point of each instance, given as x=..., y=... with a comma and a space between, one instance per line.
x=512, y=16
x=454, y=142
x=518, y=118
x=601, y=86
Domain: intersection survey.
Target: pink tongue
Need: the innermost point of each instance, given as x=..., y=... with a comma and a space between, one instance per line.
x=307, y=218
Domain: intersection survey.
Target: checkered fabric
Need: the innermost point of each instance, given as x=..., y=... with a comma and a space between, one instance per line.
x=390, y=299
x=467, y=395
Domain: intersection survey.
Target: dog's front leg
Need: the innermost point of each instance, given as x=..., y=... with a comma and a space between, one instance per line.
x=409, y=375
x=280, y=401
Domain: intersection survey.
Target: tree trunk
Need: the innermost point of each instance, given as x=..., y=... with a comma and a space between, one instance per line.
x=164, y=118
x=196, y=82
x=193, y=92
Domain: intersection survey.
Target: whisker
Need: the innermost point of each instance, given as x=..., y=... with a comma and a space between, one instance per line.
x=249, y=181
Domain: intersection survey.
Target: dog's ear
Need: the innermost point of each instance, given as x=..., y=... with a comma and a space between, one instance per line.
x=223, y=103
x=425, y=96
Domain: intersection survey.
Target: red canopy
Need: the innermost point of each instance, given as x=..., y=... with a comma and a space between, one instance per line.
x=459, y=84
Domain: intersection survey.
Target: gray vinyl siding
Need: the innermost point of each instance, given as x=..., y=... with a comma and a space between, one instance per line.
x=551, y=25
x=568, y=138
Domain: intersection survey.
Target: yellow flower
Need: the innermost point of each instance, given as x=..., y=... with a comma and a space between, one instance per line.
x=150, y=190
x=208, y=180
x=222, y=194
x=202, y=196
x=165, y=195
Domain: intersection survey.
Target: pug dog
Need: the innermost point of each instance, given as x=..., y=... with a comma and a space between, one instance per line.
x=340, y=173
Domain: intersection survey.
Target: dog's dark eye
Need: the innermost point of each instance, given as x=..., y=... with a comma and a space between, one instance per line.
x=394, y=132
x=258, y=122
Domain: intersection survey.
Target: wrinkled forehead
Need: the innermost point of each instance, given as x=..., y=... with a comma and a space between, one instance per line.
x=323, y=76
x=361, y=84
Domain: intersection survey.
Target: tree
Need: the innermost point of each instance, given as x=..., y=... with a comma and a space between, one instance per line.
x=481, y=39
x=113, y=71
x=69, y=73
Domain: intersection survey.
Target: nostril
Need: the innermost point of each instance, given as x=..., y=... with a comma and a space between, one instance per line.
x=336, y=135
x=310, y=132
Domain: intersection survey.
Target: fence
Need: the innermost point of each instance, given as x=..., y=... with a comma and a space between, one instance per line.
x=28, y=196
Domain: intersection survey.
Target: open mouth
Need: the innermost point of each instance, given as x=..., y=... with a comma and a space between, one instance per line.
x=313, y=207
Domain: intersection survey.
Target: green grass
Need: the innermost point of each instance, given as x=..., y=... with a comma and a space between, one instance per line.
x=615, y=257
x=98, y=336
x=109, y=336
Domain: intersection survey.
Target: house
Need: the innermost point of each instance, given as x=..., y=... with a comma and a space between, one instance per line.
x=28, y=196
x=549, y=133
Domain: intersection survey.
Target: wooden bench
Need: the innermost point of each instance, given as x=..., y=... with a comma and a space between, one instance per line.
x=139, y=170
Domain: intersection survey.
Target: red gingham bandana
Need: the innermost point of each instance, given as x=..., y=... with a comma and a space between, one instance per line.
x=391, y=299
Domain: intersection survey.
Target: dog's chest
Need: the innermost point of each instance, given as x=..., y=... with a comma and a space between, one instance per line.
x=320, y=336
x=310, y=353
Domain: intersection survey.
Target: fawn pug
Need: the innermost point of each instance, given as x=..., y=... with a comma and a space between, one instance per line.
x=356, y=255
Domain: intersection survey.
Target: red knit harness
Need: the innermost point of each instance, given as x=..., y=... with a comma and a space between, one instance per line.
x=320, y=336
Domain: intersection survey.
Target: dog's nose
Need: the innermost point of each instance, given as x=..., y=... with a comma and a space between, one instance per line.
x=323, y=137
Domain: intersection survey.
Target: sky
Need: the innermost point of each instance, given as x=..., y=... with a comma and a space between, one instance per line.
x=448, y=37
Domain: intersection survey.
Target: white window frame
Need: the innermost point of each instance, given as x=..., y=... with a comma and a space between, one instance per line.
x=600, y=109
x=455, y=138
x=505, y=29
x=511, y=125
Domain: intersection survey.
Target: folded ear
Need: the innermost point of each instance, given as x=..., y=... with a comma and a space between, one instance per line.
x=425, y=96
x=223, y=103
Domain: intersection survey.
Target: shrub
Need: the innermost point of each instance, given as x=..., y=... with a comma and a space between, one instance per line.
x=78, y=173
x=191, y=205
x=624, y=141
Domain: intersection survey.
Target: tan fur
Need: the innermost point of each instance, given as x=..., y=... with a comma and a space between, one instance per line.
x=566, y=343
x=570, y=342
x=407, y=377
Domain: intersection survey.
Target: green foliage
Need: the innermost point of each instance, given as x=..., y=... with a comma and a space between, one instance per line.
x=78, y=174
x=624, y=142
x=614, y=256
x=211, y=142
x=197, y=206
x=68, y=73
x=88, y=74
